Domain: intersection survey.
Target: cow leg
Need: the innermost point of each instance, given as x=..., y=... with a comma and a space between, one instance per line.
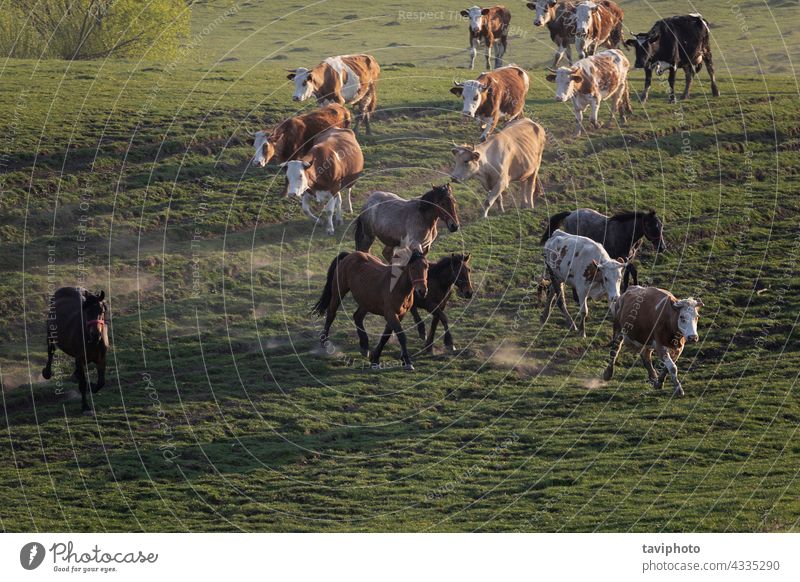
x=595, y=105
x=487, y=53
x=330, y=209
x=499, y=52
x=349, y=200
x=83, y=384
x=363, y=338
x=584, y=312
x=548, y=302
x=710, y=68
x=420, y=324
x=306, y=205
x=578, y=118
x=647, y=359
x=672, y=85
x=559, y=54
x=579, y=46
x=562, y=305
x=495, y=193
x=614, y=107
x=527, y=189
x=47, y=371
x=366, y=115
x=689, y=75
x=671, y=367
x=613, y=354
x=490, y=126
x=339, y=218
x=473, y=51
x=648, y=80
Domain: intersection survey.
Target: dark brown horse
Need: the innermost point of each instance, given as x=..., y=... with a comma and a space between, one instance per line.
x=386, y=290
x=442, y=276
x=76, y=323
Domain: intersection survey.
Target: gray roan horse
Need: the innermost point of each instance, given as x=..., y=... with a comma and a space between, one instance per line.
x=620, y=234
x=76, y=323
x=397, y=222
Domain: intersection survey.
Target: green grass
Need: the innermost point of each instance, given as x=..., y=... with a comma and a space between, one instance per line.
x=221, y=414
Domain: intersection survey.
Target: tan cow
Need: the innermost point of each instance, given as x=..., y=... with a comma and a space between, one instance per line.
x=597, y=24
x=488, y=26
x=652, y=319
x=346, y=79
x=293, y=137
x=496, y=95
x=332, y=165
x=590, y=81
x=511, y=155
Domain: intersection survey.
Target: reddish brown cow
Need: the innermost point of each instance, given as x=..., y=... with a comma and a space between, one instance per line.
x=495, y=95
x=559, y=18
x=597, y=24
x=652, y=319
x=344, y=79
x=488, y=26
x=292, y=138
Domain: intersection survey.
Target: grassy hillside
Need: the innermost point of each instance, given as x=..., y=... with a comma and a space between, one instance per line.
x=222, y=414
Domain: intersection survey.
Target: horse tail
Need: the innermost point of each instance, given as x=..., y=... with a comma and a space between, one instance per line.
x=363, y=239
x=321, y=306
x=630, y=271
x=555, y=222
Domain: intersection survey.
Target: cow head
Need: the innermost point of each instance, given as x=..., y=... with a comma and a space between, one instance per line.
x=265, y=149
x=644, y=50
x=306, y=82
x=297, y=175
x=688, y=314
x=566, y=80
x=654, y=231
x=477, y=17
x=94, y=316
x=545, y=11
x=583, y=17
x=467, y=163
x=611, y=270
x=473, y=93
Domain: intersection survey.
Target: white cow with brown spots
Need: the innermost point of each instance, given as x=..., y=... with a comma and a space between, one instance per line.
x=591, y=81
x=584, y=265
x=651, y=319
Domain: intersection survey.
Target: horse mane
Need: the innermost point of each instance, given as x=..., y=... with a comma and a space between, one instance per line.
x=434, y=193
x=434, y=269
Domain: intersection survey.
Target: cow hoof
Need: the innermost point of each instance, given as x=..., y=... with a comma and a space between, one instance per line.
x=88, y=413
x=409, y=367
x=330, y=232
x=47, y=373
x=94, y=388
x=678, y=392
x=365, y=353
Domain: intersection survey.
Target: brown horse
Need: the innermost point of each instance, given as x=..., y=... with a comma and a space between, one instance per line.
x=442, y=276
x=386, y=290
x=397, y=222
x=76, y=323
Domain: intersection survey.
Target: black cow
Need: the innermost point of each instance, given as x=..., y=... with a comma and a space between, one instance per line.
x=673, y=43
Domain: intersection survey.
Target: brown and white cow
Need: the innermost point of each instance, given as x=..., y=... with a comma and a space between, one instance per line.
x=333, y=164
x=511, y=155
x=488, y=26
x=652, y=319
x=584, y=265
x=590, y=81
x=293, y=137
x=346, y=79
x=495, y=95
x=597, y=24
x=559, y=18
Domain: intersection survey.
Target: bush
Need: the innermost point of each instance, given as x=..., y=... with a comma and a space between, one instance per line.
x=93, y=29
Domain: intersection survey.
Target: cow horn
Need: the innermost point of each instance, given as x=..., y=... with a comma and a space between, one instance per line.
x=456, y=83
x=552, y=70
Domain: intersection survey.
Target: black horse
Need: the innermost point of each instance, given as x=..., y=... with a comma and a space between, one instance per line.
x=442, y=276
x=621, y=235
x=76, y=323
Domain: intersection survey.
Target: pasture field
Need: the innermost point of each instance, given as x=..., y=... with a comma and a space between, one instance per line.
x=221, y=413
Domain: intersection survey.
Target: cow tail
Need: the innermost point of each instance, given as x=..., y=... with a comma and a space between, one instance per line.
x=630, y=271
x=321, y=306
x=555, y=222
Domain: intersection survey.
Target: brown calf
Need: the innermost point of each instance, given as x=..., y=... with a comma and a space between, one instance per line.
x=346, y=79
x=490, y=27
x=652, y=319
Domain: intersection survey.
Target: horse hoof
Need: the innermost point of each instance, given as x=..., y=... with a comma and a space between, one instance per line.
x=365, y=353
x=47, y=373
x=95, y=388
x=88, y=413
x=409, y=367
x=608, y=374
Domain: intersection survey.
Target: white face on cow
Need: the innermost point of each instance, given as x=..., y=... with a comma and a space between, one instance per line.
x=475, y=15
x=467, y=163
x=472, y=94
x=297, y=177
x=542, y=11
x=687, y=317
x=583, y=14
x=259, y=159
x=565, y=80
x=612, y=271
x=303, y=85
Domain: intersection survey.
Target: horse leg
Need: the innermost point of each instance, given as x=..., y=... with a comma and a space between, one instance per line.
x=397, y=328
x=363, y=338
x=83, y=379
x=432, y=331
x=613, y=354
x=47, y=371
x=339, y=290
x=448, y=337
x=375, y=356
x=101, y=375
x=418, y=322
x=388, y=253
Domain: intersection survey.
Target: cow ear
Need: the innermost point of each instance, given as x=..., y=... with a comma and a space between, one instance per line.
x=457, y=90
x=484, y=12
x=292, y=74
x=476, y=156
x=531, y=5
x=630, y=43
x=102, y=296
x=620, y=260
x=576, y=78
x=551, y=78
x=699, y=303
x=464, y=13
x=306, y=165
x=467, y=257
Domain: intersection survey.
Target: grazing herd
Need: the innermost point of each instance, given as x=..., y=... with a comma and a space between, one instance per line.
x=591, y=253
